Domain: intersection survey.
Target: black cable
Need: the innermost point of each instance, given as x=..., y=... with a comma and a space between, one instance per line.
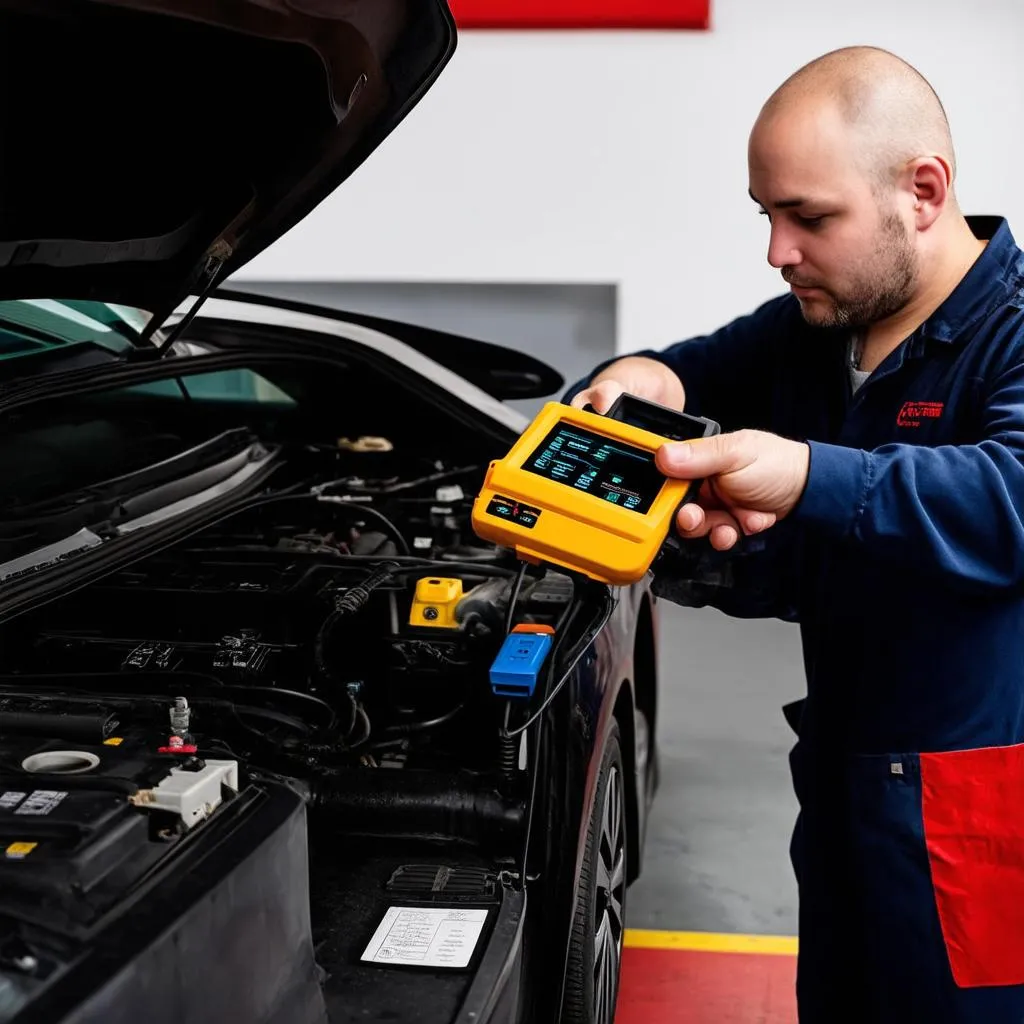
x=406, y=728
x=355, y=598
x=240, y=711
x=513, y=597
x=392, y=529
x=274, y=499
x=560, y=633
x=404, y=485
x=414, y=563
x=483, y=556
x=588, y=639
x=272, y=692
x=507, y=738
x=467, y=568
x=508, y=754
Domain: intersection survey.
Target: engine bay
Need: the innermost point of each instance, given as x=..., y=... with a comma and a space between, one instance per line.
x=295, y=633
x=333, y=636
x=332, y=622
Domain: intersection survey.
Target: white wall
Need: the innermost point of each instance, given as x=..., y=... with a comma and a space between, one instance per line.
x=621, y=157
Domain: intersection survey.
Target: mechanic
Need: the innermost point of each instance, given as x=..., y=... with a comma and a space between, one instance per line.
x=869, y=484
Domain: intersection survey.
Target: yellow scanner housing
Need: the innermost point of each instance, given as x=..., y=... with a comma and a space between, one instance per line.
x=581, y=490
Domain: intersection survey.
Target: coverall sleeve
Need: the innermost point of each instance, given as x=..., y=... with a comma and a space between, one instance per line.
x=955, y=511
x=727, y=377
x=726, y=374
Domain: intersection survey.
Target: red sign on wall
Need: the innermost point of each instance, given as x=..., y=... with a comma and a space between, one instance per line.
x=513, y=14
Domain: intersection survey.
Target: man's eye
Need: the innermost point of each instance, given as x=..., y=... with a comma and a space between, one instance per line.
x=763, y=212
x=811, y=222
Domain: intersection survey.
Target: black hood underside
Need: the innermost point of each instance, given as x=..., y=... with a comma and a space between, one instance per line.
x=150, y=148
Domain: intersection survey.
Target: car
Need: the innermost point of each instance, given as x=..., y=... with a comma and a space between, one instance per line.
x=256, y=764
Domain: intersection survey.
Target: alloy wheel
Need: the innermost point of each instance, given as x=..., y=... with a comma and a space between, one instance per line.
x=609, y=921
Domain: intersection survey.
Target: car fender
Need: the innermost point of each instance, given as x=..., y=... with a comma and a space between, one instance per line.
x=603, y=692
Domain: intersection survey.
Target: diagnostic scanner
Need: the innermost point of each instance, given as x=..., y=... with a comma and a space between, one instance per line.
x=582, y=491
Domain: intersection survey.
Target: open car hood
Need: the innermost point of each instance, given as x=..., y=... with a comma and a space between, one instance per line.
x=149, y=148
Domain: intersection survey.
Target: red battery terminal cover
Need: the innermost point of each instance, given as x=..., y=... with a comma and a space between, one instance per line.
x=176, y=745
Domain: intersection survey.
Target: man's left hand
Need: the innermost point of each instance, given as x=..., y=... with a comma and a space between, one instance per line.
x=752, y=479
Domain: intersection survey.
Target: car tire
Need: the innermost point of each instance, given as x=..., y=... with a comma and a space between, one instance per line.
x=595, y=948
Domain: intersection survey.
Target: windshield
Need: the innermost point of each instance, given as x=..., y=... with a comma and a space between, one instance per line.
x=33, y=326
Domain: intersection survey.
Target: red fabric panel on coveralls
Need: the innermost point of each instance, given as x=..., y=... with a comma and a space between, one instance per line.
x=973, y=808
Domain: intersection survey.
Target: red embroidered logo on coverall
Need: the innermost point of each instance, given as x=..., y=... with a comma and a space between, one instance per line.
x=913, y=412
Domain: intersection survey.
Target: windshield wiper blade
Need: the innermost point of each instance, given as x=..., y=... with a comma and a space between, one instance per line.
x=146, y=510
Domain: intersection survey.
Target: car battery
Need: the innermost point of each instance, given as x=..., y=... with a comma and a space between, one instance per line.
x=81, y=823
x=130, y=881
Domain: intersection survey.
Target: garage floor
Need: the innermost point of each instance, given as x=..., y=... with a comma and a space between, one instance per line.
x=713, y=917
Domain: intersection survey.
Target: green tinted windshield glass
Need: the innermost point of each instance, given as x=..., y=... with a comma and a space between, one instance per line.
x=46, y=325
x=41, y=325
x=239, y=385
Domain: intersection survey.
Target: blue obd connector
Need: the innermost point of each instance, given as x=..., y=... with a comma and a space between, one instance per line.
x=518, y=664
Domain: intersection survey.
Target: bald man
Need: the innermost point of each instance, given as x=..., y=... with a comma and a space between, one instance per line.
x=869, y=484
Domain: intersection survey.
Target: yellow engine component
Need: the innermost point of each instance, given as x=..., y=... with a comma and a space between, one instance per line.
x=435, y=601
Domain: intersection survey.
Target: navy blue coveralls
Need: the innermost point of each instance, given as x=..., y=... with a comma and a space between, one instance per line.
x=904, y=565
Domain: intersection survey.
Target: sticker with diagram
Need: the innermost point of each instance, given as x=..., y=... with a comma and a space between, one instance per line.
x=426, y=936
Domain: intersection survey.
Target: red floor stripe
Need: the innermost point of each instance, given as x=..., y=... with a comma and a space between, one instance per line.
x=661, y=986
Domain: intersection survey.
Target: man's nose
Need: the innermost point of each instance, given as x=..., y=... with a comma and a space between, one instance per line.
x=782, y=249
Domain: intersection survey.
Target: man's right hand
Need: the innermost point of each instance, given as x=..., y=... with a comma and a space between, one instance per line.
x=638, y=375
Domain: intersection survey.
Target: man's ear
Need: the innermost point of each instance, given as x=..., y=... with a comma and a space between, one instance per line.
x=928, y=180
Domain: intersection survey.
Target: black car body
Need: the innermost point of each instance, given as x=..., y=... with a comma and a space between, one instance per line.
x=238, y=726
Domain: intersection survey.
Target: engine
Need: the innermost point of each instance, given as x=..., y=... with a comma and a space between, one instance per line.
x=349, y=622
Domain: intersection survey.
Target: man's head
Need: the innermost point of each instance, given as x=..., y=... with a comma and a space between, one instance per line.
x=851, y=158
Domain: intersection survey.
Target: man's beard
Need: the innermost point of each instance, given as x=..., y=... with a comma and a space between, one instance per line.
x=893, y=275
